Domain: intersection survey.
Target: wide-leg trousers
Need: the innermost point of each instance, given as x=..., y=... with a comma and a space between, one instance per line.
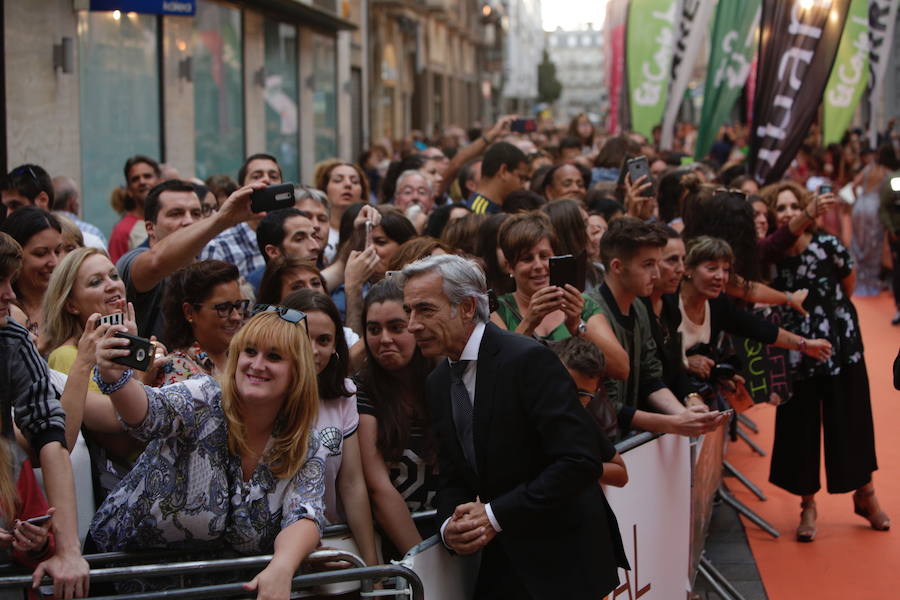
x=838, y=410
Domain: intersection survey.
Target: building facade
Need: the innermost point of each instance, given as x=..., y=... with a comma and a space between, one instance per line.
x=84, y=89
x=523, y=50
x=426, y=58
x=579, y=59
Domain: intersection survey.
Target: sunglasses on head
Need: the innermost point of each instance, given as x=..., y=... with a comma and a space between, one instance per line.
x=288, y=314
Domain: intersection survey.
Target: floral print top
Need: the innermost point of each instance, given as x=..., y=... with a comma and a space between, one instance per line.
x=186, y=490
x=820, y=268
x=184, y=364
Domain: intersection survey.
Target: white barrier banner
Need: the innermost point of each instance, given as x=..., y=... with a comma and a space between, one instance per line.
x=654, y=514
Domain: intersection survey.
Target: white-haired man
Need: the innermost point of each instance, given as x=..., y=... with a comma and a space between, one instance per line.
x=519, y=458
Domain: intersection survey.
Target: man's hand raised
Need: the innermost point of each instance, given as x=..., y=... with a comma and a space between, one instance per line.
x=236, y=208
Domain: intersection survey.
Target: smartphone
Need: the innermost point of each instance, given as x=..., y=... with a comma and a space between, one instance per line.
x=895, y=184
x=523, y=125
x=273, y=197
x=568, y=269
x=825, y=188
x=113, y=319
x=39, y=520
x=637, y=168
x=140, y=352
x=369, y=228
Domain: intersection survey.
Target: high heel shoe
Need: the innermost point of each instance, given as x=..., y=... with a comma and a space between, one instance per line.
x=863, y=501
x=806, y=531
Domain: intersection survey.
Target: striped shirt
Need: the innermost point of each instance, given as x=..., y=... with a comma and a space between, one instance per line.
x=482, y=205
x=237, y=246
x=25, y=389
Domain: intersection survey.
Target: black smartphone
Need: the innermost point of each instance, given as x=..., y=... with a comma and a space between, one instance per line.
x=723, y=371
x=825, y=188
x=638, y=167
x=140, y=352
x=523, y=125
x=273, y=197
x=568, y=269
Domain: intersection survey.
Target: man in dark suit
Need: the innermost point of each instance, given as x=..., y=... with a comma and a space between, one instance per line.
x=519, y=457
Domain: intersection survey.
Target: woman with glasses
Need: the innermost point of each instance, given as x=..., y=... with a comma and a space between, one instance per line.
x=203, y=307
x=233, y=462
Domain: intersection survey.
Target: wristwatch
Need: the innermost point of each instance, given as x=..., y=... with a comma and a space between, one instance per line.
x=582, y=327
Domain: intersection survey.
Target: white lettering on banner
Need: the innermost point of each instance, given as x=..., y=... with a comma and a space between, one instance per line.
x=842, y=94
x=776, y=132
x=798, y=54
x=734, y=67
x=798, y=28
x=649, y=91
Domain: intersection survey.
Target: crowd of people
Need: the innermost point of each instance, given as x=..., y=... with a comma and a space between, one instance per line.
x=338, y=361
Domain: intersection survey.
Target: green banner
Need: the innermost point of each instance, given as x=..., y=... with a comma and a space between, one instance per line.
x=849, y=74
x=733, y=42
x=650, y=44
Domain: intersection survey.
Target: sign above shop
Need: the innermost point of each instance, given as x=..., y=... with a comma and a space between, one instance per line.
x=151, y=7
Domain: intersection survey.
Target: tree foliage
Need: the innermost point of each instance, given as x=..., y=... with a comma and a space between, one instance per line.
x=549, y=87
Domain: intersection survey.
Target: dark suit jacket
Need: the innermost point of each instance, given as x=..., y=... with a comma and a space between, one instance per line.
x=538, y=464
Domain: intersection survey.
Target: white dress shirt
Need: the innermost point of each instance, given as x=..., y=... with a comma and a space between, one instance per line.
x=470, y=353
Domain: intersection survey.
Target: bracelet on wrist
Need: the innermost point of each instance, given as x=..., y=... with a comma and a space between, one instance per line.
x=788, y=298
x=108, y=388
x=485, y=140
x=801, y=345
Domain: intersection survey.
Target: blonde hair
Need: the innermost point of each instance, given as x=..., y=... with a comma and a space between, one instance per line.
x=300, y=409
x=59, y=324
x=9, y=495
x=70, y=231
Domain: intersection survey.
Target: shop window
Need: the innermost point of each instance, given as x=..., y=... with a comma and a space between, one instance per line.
x=218, y=90
x=325, y=96
x=119, y=103
x=281, y=96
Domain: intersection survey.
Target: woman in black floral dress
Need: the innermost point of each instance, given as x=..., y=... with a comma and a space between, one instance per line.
x=832, y=395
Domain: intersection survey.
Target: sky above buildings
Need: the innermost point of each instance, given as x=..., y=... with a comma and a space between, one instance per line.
x=572, y=14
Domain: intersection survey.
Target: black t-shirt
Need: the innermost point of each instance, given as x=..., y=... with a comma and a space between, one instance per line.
x=413, y=477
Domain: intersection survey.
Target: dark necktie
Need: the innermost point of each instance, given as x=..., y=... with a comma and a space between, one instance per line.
x=463, y=411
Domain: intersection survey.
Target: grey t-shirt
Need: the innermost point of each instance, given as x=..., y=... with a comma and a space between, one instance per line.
x=147, y=305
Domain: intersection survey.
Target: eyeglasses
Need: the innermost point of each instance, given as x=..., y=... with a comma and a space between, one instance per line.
x=223, y=309
x=208, y=209
x=288, y=314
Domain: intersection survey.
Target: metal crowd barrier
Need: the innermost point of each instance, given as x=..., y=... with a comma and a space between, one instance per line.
x=358, y=572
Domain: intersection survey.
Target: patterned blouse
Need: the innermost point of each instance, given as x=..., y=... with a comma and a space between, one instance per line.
x=186, y=491
x=184, y=364
x=820, y=268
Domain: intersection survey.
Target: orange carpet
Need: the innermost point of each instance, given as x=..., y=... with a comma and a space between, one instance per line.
x=847, y=558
